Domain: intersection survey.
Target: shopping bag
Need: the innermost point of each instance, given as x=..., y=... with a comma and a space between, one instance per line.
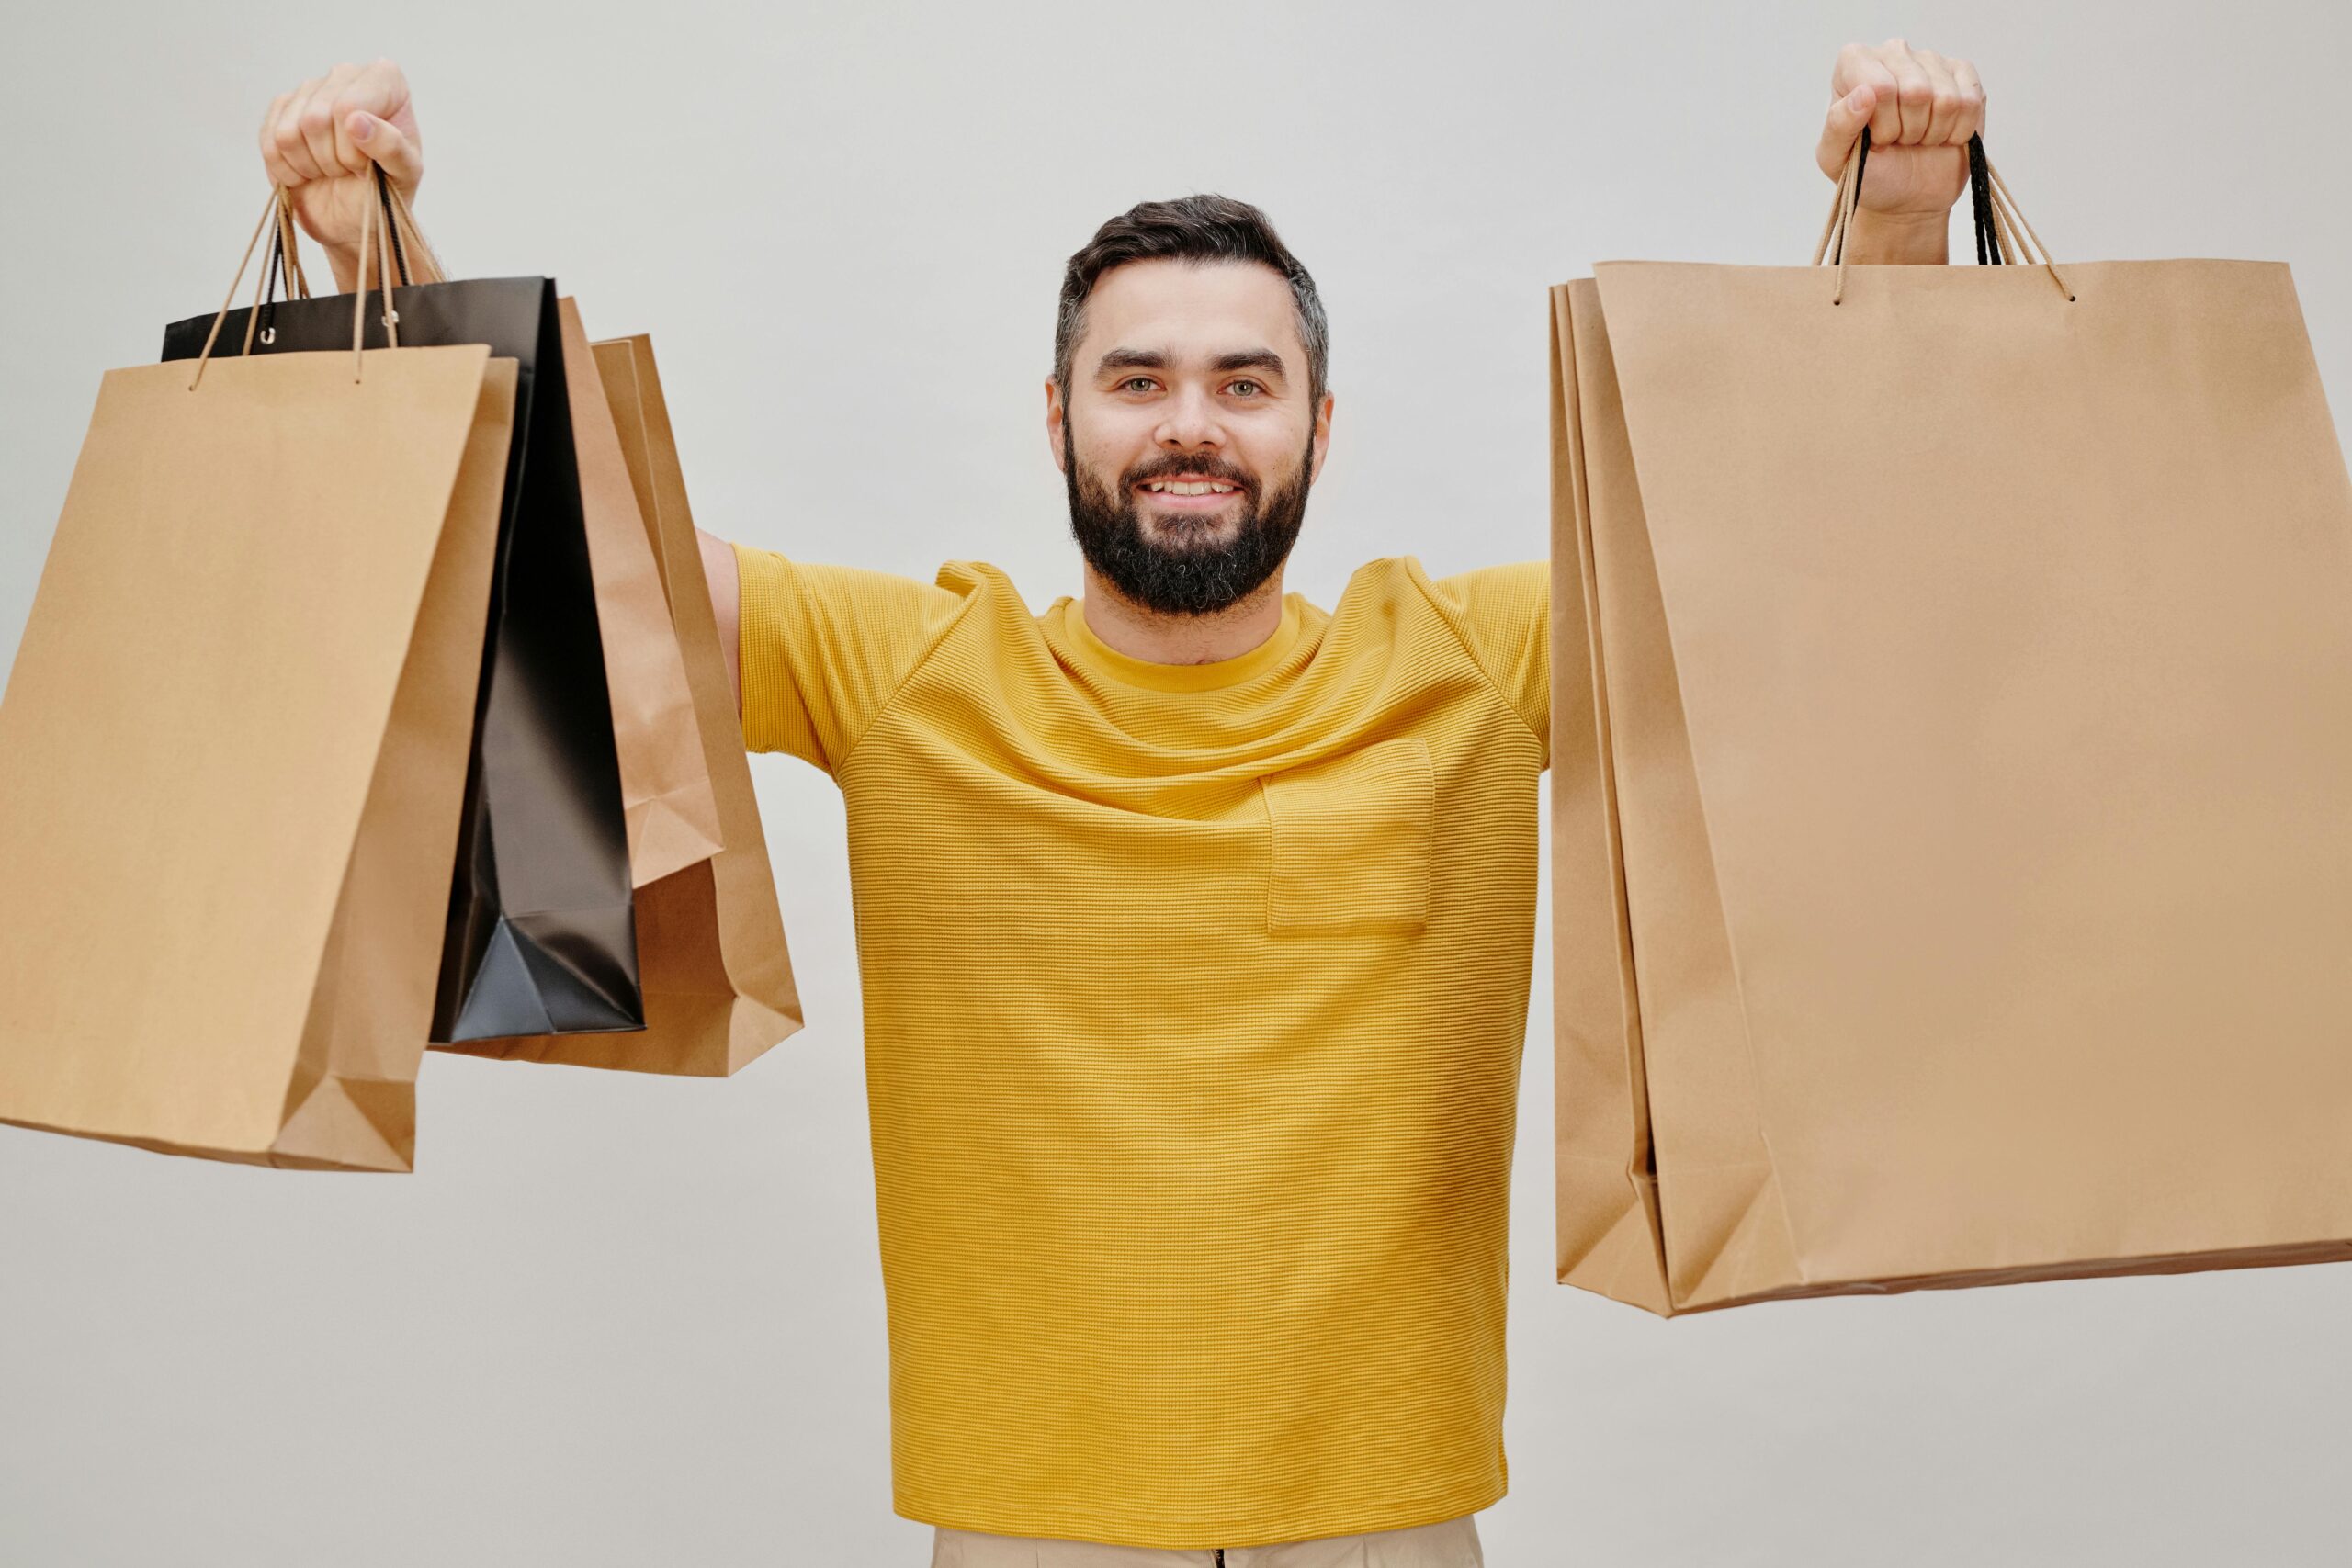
x=666, y=797
x=716, y=975
x=539, y=930
x=232, y=750
x=1952, y=703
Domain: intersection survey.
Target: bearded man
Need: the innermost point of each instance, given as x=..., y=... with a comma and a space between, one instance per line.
x=1195, y=920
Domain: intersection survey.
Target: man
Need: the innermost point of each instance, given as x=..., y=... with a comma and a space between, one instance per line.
x=1195, y=921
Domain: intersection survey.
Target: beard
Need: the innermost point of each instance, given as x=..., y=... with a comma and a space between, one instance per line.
x=1188, y=566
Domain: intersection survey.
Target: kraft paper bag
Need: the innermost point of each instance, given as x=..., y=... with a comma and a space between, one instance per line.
x=233, y=752
x=665, y=784
x=1952, y=776
x=540, y=929
x=717, y=978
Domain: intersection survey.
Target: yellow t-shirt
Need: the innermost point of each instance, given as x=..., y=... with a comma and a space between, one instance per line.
x=1195, y=997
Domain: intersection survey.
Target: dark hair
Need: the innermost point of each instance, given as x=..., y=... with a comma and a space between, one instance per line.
x=1195, y=229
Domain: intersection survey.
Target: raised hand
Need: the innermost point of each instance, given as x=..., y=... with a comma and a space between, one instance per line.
x=1921, y=108
x=320, y=140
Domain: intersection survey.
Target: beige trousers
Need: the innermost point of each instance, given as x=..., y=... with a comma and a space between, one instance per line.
x=1451, y=1544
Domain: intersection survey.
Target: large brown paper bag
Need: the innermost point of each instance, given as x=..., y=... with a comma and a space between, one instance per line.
x=715, y=974
x=233, y=753
x=1952, y=778
x=665, y=785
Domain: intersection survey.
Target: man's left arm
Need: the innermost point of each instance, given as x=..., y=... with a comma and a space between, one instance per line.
x=1921, y=108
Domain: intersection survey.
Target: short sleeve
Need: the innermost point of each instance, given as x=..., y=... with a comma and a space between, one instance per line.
x=824, y=648
x=1504, y=616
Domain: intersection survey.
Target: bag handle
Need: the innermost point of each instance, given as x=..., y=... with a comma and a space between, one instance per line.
x=379, y=215
x=286, y=255
x=1995, y=216
x=286, y=264
x=399, y=223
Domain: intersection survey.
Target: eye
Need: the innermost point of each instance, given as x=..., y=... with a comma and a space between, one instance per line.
x=1247, y=389
x=1137, y=384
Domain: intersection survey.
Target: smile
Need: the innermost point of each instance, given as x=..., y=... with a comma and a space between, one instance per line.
x=1189, y=486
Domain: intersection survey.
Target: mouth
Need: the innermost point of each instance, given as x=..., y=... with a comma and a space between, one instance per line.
x=1189, y=493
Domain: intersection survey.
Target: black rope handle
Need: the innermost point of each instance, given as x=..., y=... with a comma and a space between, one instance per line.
x=276, y=272
x=1861, y=164
x=392, y=227
x=1979, y=200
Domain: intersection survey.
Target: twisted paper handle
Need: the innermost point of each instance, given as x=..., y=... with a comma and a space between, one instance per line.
x=1996, y=217
x=380, y=216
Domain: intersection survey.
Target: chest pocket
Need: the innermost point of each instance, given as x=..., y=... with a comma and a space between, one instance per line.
x=1352, y=842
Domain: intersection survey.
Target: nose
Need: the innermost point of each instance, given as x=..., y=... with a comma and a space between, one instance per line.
x=1190, y=424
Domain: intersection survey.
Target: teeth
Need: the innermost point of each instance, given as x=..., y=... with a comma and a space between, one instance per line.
x=1201, y=487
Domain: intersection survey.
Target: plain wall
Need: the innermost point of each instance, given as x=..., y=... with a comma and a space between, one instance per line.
x=615, y=1320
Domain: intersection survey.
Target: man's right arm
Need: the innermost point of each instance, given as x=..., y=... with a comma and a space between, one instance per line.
x=318, y=141
x=725, y=607
x=830, y=644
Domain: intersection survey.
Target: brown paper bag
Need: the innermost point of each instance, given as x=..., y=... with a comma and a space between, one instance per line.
x=233, y=753
x=1952, y=704
x=716, y=975
x=665, y=785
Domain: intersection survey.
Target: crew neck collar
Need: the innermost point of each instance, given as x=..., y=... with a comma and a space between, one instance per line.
x=1083, y=647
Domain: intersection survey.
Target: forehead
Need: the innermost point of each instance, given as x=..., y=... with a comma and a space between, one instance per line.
x=1183, y=307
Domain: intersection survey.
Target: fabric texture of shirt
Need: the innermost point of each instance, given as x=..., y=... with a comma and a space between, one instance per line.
x=1194, y=1001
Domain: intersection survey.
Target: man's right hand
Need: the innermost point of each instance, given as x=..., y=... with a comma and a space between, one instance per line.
x=318, y=141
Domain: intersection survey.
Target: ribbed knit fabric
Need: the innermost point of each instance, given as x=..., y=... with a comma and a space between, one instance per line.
x=1195, y=999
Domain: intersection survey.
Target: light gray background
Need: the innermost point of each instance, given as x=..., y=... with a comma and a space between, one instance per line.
x=615, y=1320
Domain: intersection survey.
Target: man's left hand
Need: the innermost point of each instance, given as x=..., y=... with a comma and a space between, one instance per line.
x=1921, y=108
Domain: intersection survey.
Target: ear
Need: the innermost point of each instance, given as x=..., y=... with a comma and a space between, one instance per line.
x=1322, y=437
x=1053, y=443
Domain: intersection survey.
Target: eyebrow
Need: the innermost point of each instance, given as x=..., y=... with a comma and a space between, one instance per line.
x=1250, y=359
x=1263, y=359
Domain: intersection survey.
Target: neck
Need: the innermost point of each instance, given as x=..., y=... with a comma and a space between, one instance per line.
x=1128, y=628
